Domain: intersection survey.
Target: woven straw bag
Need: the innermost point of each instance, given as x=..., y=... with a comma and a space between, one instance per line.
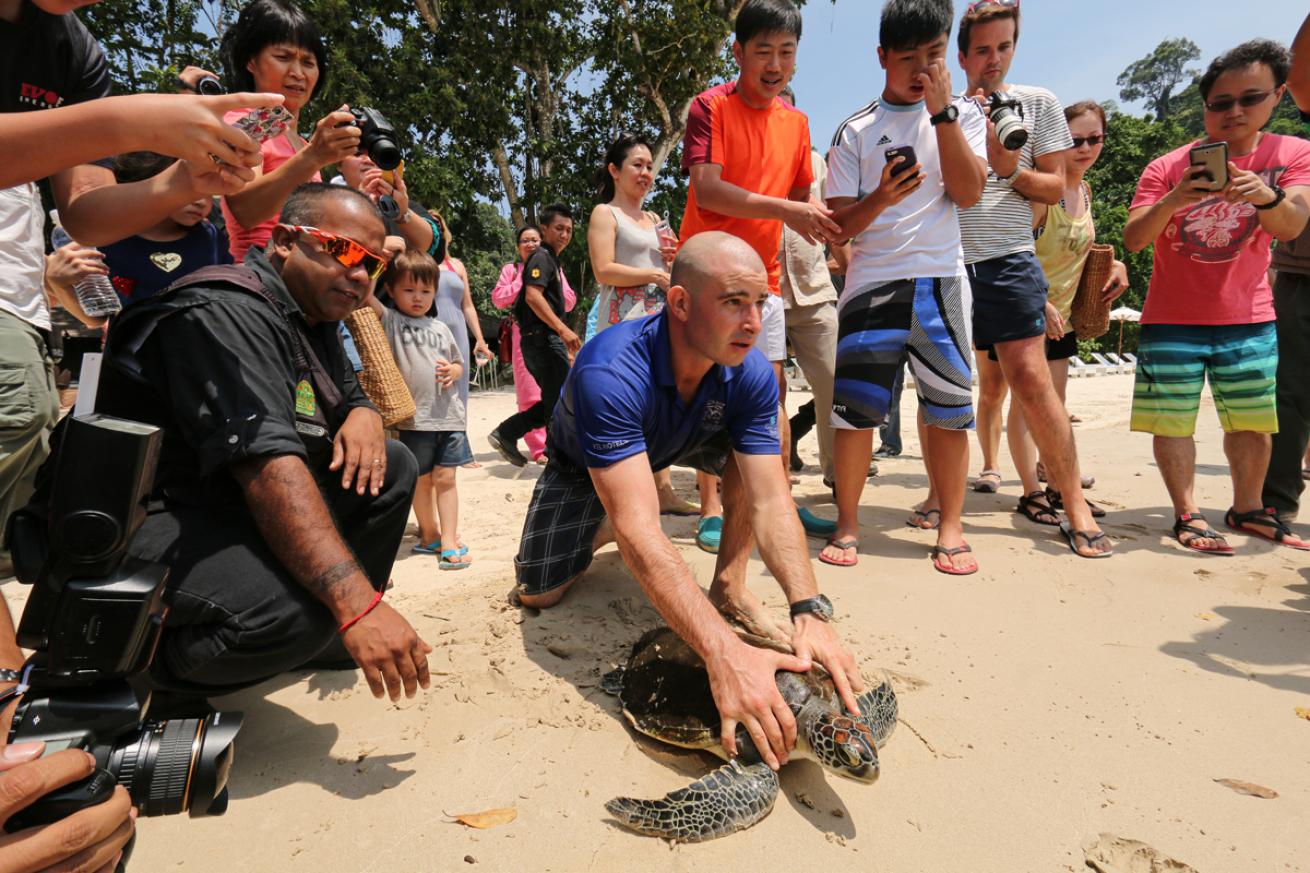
x=1091, y=316
x=380, y=378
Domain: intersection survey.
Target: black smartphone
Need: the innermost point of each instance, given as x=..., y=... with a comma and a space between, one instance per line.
x=1213, y=158
x=904, y=154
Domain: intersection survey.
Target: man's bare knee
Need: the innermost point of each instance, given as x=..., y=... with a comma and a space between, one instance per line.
x=546, y=599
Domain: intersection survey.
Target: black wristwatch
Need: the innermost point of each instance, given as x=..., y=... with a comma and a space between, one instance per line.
x=820, y=607
x=1279, y=195
x=947, y=115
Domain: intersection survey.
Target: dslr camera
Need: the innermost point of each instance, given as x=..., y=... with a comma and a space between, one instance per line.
x=1007, y=114
x=94, y=619
x=377, y=137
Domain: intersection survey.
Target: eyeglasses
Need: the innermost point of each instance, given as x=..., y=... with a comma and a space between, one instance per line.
x=1246, y=101
x=346, y=251
x=1079, y=141
x=1004, y=4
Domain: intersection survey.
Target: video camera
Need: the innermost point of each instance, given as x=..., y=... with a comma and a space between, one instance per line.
x=94, y=619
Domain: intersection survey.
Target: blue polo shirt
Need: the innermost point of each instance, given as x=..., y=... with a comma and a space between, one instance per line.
x=620, y=400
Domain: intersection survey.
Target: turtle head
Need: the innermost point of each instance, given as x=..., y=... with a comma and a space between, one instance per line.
x=843, y=745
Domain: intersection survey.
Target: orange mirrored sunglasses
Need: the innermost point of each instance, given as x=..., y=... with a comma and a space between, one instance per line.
x=345, y=250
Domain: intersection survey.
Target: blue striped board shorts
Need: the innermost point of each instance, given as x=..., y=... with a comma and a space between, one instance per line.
x=877, y=323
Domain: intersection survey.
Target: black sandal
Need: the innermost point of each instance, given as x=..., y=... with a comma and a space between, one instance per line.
x=1057, y=502
x=1266, y=518
x=1089, y=539
x=1181, y=526
x=1033, y=510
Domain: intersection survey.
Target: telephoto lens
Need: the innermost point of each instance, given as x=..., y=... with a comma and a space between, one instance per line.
x=1007, y=115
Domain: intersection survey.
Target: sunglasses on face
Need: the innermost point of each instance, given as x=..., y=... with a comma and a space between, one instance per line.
x=1004, y=4
x=1246, y=101
x=1079, y=141
x=344, y=250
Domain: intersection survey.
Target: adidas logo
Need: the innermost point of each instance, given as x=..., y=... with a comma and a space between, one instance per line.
x=884, y=141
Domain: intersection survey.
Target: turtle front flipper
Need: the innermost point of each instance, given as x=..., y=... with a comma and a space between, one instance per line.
x=733, y=797
x=878, y=710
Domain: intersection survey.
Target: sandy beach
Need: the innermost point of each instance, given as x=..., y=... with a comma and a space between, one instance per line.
x=1044, y=701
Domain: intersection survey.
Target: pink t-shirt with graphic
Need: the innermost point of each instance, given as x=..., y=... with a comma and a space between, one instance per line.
x=1212, y=260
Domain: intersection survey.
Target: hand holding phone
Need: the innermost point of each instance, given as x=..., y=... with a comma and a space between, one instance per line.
x=1212, y=159
x=902, y=157
x=262, y=125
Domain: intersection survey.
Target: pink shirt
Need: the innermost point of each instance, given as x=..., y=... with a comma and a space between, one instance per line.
x=1212, y=260
x=510, y=284
x=277, y=151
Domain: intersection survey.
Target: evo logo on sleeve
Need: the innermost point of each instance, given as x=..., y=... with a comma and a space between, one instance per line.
x=41, y=98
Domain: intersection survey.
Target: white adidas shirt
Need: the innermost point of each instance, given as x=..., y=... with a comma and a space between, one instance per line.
x=920, y=236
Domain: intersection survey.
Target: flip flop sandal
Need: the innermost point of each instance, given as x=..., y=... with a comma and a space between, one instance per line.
x=447, y=554
x=1181, y=526
x=924, y=515
x=848, y=543
x=984, y=484
x=434, y=548
x=815, y=526
x=1057, y=502
x=1032, y=509
x=950, y=552
x=1089, y=539
x=1265, y=518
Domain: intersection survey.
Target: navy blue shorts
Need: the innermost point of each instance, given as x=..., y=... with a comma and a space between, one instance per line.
x=437, y=448
x=1009, y=299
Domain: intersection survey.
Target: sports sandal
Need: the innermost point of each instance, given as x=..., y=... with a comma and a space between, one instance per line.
x=938, y=552
x=848, y=543
x=1089, y=540
x=922, y=519
x=1032, y=507
x=1057, y=502
x=1264, y=518
x=988, y=482
x=1182, y=526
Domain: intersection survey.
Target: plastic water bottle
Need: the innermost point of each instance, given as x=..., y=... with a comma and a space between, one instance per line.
x=96, y=293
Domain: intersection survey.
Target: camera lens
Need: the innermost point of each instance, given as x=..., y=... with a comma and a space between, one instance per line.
x=179, y=765
x=209, y=86
x=384, y=153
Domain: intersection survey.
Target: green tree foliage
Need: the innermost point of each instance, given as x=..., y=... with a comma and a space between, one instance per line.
x=1154, y=77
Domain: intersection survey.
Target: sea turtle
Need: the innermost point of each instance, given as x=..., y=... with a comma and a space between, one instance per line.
x=665, y=694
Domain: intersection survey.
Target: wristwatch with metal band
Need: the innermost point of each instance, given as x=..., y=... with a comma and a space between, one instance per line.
x=820, y=607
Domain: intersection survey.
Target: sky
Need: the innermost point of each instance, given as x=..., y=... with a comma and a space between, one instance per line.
x=1076, y=49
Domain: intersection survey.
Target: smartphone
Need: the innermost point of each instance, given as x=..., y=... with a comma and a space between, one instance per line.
x=262, y=125
x=905, y=154
x=1213, y=157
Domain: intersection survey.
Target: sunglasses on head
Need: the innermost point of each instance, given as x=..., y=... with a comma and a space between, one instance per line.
x=981, y=4
x=344, y=250
x=1078, y=141
x=1246, y=101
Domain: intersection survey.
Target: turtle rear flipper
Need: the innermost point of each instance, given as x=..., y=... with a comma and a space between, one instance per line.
x=878, y=710
x=733, y=797
x=612, y=682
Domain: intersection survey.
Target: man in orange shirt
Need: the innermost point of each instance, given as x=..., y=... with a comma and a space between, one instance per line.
x=748, y=156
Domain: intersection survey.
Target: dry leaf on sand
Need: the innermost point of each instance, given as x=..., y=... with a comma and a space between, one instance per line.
x=1248, y=788
x=488, y=819
x=1302, y=712
x=1108, y=853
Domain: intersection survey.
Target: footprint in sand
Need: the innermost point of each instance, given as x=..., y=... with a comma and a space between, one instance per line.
x=1107, y=853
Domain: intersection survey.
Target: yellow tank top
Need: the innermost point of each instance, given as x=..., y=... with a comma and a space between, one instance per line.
x=1062, y=250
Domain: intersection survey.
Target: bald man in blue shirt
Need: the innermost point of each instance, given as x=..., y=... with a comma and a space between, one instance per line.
x=687, y=386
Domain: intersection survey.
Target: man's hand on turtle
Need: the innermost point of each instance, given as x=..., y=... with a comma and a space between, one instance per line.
x=745, y=692
x=815, y=640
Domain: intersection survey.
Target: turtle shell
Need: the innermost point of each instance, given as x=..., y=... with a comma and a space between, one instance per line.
x=665, y=689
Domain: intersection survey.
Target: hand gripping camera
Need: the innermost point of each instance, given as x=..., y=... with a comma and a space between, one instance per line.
x=1007, y=114
x=94, y=618
x=377, y=137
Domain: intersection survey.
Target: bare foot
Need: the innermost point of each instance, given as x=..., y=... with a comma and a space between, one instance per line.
x=672, y=504
x=747, y=610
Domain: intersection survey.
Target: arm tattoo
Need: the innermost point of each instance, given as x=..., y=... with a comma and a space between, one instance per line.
x=327, y=583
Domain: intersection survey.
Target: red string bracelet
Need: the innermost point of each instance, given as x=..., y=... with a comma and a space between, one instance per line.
x=377, y=598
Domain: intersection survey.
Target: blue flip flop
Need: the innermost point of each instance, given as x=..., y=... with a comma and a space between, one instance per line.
x=815, y=526
x=434, y=548
x=454, y=553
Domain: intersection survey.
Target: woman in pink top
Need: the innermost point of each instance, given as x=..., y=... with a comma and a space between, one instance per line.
x=276, y=47
x=503, y=296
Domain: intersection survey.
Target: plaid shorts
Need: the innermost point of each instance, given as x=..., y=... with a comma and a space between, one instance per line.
x=566, y=512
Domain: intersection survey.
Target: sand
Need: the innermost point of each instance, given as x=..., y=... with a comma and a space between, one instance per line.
x=1045, y=700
